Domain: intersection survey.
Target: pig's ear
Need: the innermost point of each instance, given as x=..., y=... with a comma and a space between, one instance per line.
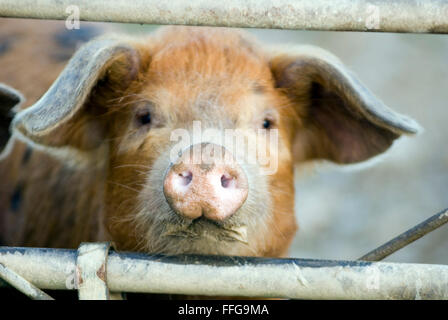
x=67, y=121
x=9, y=99
x=338, y=118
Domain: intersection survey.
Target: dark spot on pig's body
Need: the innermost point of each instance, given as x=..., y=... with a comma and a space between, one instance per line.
x=16, y=198
x=27, y=155
x=5, y=44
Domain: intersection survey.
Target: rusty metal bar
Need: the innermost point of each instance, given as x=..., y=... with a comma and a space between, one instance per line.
x=407, y=237
x=22, y=284
x=415, y=16
x=237, y=276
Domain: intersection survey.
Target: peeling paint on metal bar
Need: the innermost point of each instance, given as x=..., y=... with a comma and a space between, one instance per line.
x=238, y=276
x=416, y=16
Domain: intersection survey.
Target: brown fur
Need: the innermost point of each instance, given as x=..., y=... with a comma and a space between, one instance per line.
x=180, y=74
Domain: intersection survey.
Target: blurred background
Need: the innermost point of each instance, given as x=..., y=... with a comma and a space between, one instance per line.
x=344, y=212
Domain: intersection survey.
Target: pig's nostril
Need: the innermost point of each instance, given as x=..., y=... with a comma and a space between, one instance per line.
x=227, y=181
x=186, y=177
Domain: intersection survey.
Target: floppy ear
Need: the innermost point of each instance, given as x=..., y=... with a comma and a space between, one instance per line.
x=9, y=98
x=338, y=118
x=67, y=118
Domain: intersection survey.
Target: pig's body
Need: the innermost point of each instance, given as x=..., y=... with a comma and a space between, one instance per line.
x=43, y=203
x=97, y=163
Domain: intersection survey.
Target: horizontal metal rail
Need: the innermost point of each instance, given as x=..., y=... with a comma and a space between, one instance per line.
x=236, y=276
x=415, y=16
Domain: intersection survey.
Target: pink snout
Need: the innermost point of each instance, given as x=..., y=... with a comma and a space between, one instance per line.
x=214, y=189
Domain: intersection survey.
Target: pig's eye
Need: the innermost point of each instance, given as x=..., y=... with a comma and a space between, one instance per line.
x=144, y=118
x=267, y=124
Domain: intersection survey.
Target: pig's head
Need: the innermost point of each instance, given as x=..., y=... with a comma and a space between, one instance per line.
x=124, y=103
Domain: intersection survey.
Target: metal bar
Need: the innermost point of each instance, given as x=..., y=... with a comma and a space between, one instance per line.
x=407, y=237
x=415, y=16
x=238, y=276
x=22, y=284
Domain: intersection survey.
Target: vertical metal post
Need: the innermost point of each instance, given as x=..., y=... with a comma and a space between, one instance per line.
x=91, y=265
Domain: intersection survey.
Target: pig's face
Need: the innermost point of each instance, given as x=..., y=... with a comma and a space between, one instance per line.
x=225, y=208
x=135, y=98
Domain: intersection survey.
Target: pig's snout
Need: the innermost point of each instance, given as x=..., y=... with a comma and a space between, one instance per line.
x=207, y=183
